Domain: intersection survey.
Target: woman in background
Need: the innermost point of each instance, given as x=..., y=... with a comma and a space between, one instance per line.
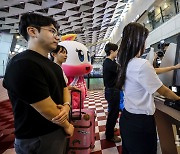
x=59, y=56
x=139, y=81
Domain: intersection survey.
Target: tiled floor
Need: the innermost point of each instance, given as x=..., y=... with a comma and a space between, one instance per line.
x=95, y=100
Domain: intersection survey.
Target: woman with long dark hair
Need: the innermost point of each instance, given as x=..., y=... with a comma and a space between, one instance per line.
x=139, y=82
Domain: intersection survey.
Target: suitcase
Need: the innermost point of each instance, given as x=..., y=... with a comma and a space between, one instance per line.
x=83, y=139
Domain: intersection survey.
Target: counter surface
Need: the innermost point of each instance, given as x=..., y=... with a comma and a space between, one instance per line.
x=159, y=102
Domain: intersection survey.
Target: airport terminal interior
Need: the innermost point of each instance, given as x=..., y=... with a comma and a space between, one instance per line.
x=94, y=23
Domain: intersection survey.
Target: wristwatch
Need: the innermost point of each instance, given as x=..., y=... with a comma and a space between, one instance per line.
x=67, y=103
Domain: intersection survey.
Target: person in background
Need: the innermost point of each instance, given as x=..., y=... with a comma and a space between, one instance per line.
x=59, y=56
x=159, y=56
x=35, y=87
x=112, y=95
x=158, y=71
x=162, y=47
x=139, y=81
x=167, y=69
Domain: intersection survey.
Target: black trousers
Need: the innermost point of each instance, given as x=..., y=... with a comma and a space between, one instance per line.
x=138, y=133
x=113, y=98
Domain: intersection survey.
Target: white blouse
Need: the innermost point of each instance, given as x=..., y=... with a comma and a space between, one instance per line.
x=140, y=85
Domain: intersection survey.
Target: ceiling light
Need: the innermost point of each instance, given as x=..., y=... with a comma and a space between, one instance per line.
x=6, y=6
x=17, y=36
x=137, y=16
x=165, y=5
x=21, y=2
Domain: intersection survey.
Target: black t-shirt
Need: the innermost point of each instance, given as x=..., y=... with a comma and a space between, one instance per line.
x=110, y=73
x=29, y=78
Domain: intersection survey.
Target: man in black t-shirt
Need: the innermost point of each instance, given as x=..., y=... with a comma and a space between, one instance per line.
x=35, y=87
x=112, y=95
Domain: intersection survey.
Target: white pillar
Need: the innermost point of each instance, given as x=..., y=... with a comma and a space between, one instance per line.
x=5, y=45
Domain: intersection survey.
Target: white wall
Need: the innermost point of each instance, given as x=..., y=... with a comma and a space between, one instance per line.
x=166, y=30
x=137, y=8
x=5, y=44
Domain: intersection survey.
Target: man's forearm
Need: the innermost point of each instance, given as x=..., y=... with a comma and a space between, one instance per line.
x=53, y=112
x=65, y=124
x=47, y=108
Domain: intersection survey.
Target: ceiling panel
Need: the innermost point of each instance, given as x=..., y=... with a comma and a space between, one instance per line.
x=92, y=20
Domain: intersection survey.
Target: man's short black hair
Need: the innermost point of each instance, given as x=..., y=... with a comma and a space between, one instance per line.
x=35, y=20
x=110, y=46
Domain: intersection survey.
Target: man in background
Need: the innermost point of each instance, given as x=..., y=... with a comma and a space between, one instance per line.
x=112, y=95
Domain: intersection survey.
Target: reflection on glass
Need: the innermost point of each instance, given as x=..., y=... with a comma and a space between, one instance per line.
x=177, y=2
x=159, y=13
x=168, y=10
x=158, y=20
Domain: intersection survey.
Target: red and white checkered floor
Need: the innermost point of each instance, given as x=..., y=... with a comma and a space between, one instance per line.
x=95, y=100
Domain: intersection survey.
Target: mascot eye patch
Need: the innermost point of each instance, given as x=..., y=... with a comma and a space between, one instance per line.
x=80, y=55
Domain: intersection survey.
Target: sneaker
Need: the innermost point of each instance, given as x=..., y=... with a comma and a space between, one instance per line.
x=115, y=139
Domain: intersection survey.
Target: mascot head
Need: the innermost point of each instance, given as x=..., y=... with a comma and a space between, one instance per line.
x=78, y=57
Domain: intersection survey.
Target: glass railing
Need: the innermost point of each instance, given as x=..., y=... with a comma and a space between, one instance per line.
x=157, y=21
x=160, y=13
x=177, y=3
x=168, y=12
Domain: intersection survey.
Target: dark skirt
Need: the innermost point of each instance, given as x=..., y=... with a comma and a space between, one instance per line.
x=138, y=133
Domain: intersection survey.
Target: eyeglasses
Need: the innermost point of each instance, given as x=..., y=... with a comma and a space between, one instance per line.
x=53, y=31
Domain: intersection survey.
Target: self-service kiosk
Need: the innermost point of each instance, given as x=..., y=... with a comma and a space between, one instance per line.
x=167, y=113
x=150, y=55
